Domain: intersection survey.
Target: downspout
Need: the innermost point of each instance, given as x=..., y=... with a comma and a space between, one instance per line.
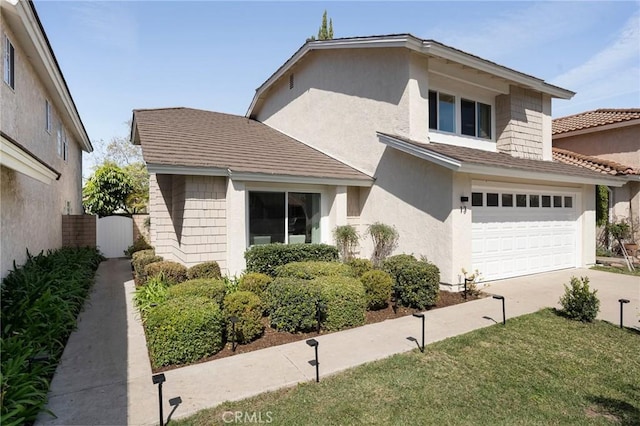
x=610, y=214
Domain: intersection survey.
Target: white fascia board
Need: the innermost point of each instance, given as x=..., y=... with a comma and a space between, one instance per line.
x=528, y=174
x=495, y=69
x=18, y=160
x=308, y=180
x=38, y=41
x=442, y=160
x=169, y=169
x=612, y=126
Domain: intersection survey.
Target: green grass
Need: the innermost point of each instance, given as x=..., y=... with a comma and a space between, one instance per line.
x=625, y=270
x=539, y=369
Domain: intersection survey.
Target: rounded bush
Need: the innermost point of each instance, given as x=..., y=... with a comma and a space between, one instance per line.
x=254, y=282
x=266, y=257
x=344, y=303
x=140, y=259
x=313, y=269
x=418, y=284
x=204, y=270
x=377, y=287
x=291, y=304
x=184, y=330
x=247, y=307
x=173, y=272
x=360, y=266
x=139, y=244
x=579, y=302
x=396, y=263
x=209, y=288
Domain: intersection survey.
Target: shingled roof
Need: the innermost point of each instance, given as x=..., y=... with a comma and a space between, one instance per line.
x=197, y=138
x=593, y=163
x=498, y=160
x=591, y=119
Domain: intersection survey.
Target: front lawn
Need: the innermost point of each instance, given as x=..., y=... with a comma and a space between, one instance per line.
x=539, y=369
x=615, y=270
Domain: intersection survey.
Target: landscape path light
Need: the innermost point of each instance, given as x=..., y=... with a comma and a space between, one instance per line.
x=159, y=379
x=504, y=317
x=314, y=344
x=421, y=316
x=622, y=303
x=234, y=320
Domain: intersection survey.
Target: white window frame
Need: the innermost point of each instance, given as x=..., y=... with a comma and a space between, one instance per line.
x=9, y=59
x=60, y=139
x=65, y=146
x=286, y=190
x=47, y=116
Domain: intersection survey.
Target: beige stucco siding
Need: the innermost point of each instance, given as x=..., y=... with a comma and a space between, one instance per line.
x=188, y=214
x=31, y=210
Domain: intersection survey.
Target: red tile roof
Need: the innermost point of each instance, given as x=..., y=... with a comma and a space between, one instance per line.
x=593, y=163
x=198, y=138
x=591, y=119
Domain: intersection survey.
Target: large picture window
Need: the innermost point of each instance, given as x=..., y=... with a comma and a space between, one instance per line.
x=475, y=117
x=284, y=217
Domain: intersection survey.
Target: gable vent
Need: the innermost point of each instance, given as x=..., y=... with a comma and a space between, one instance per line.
x=290, y=81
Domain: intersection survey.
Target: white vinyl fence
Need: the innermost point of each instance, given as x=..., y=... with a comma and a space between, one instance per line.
x=115, y=235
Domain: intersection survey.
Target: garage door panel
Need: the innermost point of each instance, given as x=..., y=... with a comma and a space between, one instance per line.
x=511, y=241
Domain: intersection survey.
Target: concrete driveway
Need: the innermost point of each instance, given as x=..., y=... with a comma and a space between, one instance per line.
x=104, y=376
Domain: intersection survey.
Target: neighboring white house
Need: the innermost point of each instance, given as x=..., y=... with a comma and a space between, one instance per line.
x=41, y=136
x=451, y=149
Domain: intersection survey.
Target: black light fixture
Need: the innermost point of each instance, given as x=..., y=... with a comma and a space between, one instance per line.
x=504, y=317
x=622, y=303
x=159, y=379
x=41, y=357
x=314, y=344
x=173, y=402
x=234, y=319
x=421, y=316
x=395, y=300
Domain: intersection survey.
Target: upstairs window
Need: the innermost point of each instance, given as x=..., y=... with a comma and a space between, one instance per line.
x=47, y=116
x=475, y=117
x=9, y=63
x=61, y=137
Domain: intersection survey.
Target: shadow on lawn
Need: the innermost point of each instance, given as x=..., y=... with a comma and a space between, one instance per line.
x=625, y=413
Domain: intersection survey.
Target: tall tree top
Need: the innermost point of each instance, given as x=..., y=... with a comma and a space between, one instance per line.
x=326, y=31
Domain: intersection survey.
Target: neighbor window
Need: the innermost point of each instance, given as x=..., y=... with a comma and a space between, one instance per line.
x=284, y=217
x=47, y=116
x=9, y=63
x=65, y=147
x=475, y=117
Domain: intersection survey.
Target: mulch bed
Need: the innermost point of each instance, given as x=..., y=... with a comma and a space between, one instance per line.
x=272, y=337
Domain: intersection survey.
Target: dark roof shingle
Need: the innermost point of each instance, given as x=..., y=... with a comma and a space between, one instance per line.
x=591, y=119
x=198, y=138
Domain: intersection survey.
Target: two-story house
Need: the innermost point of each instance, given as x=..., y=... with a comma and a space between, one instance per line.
x=452, y=150
x=42, y=138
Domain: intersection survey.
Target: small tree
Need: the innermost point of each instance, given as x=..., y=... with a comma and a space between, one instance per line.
x=385, y=240
x=326, y=31
x=107, y=190
x=347, y=239
x=579, y=302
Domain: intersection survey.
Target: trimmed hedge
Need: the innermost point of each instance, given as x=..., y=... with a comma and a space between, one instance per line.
x=360, y=266
x=203, y=287
x=254, y=282
x=39, y=303
x=265, y=258
x=418, y=284
x=204, y=270
x=173, y=272
x=291, y=304
x=344, y=303
x=377, y=286
x=184, y=330
x=394, y=264
x=313, y=269
x=248, y=308
x=139, y=261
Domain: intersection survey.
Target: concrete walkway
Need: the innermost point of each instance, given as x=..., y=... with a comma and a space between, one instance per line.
x=105, y=378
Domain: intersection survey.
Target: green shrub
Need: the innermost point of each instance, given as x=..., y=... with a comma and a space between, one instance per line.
x=312, y=269
x=377, y=286
x=138, y=245
x=417, y=283
x=360, y=266
x=344, y=303
x=247, y=307
x=203, y=287
x=347, y=239
x=152, y=293
x=140, y=260
x=265, y=258
x=394, y=264
x=184, y=330
x=254, y=282
x=39, y=303
x=173, y=272
x=204, y=270
x=291, y=304
x=385, y=240
x=579, y=302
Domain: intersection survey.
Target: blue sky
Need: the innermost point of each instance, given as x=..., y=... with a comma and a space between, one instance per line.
x=121, y=55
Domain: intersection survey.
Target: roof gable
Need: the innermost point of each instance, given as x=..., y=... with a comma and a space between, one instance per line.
x=595, y=120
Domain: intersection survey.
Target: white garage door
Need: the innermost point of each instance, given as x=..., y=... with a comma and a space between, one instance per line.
x=518, y=232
